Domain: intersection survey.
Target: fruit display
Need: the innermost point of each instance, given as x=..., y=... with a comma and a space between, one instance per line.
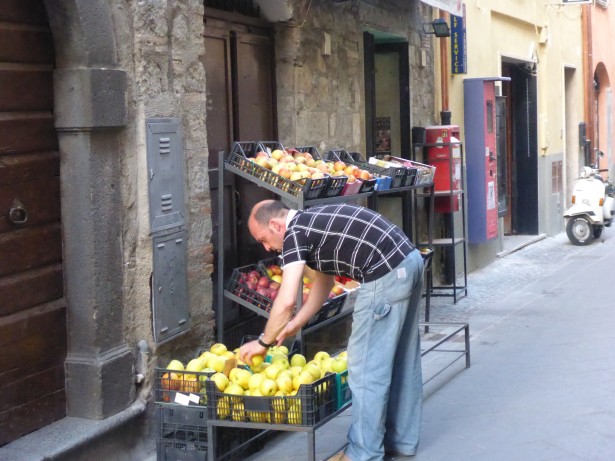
x=189, y=379
x=278, y=389
x=257, y=285
x=300, y=170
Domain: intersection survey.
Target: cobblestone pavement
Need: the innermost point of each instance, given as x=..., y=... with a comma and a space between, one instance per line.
x=505, y=275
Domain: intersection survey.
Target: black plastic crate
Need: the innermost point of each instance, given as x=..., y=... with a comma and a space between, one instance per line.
x=168, y=383
x=335, y=185
x=249, y=149
x=312, y=403
x=182, y=435
x=367, y=185
x=311, y=188
x=241, y=289
x=312, y=150
x=330, y=308
x=398, y=175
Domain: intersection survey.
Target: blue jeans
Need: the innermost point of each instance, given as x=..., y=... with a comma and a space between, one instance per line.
x=384, y=364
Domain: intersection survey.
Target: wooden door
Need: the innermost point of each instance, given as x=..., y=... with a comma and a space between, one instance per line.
x=32, y=310
x=238, y=64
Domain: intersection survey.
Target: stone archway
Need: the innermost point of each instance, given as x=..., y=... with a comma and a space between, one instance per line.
x=90, y=111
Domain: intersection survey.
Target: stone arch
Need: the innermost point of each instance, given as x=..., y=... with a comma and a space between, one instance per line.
x=90, y=112
x=603, y=107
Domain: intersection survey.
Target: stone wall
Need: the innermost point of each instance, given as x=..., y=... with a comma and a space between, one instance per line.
x=321, y=97
x=163, y=52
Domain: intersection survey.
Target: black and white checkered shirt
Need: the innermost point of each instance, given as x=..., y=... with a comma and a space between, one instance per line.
x=346, y=240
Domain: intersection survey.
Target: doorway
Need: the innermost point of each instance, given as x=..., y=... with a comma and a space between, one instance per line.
x=521, y=150
x=387, y=111
x=241, y=106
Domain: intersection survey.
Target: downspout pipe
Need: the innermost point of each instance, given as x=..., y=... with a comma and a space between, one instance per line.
x=588, y=75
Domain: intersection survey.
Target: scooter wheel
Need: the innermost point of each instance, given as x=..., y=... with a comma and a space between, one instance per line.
x=579, y=230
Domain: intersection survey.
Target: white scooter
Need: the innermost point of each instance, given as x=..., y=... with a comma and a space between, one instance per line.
x=593, y=207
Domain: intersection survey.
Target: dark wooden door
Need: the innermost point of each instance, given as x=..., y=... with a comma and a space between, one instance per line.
x=32, y=310
x=239, y=70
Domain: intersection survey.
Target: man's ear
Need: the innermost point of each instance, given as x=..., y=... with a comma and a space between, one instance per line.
x=274, y=225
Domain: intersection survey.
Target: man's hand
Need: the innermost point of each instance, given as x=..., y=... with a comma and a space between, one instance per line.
x=249, y=350
x=290, y=329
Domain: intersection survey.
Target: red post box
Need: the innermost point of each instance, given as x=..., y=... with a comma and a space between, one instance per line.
x=444, y=152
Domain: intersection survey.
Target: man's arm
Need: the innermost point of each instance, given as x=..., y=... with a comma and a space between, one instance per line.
x=321, y=287
x=281, y=312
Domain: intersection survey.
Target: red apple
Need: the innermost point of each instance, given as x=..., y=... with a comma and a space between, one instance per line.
x=274, y=285
x=263, y=282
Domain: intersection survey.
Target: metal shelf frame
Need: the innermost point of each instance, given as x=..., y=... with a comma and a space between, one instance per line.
x=299, y=202
x=454, y=290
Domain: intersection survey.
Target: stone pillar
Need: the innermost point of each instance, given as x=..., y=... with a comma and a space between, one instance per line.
x=90, y=108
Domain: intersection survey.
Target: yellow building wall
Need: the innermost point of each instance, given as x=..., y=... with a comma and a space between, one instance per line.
x=547, y=36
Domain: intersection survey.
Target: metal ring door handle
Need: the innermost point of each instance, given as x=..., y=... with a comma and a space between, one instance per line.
x=18, y=213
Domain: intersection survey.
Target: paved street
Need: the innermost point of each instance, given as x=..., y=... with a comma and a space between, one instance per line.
x=542, y=382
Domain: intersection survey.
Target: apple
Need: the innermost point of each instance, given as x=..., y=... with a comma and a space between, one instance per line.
x=238, y=412
x=268, y=387
x=263, y=162
x=176, y=365
x=263, y=282
x=240, y=376
x=298, y=360
x=278, y=154
x=321, y=356
x=194, y=365
x=261, y=153
x=277, y=270
x=285, y=372
x=282, y=360
x=255, y=380
x=364, y=175
x=296, y=176
x=296, y=370
x=313, y=369
x=318, y=175
x=339, y=165
x=339, y=364
x=273, y=293
x=283, y=349
x=337, y=290
x=284, y=383
x=234, y=389
x=221, y=381
x=272, y=370
x=224, y=408
x=216, y=363
x=351, y=170
x=284, y=172
x=277, y=278
x=305, y=377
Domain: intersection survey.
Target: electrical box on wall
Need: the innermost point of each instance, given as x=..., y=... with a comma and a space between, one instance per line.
x=481, y=158
x=165, y=169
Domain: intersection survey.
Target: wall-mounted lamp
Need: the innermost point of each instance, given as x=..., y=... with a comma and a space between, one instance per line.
x=438, y=27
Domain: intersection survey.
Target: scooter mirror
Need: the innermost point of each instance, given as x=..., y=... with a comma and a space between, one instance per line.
x=586, y=172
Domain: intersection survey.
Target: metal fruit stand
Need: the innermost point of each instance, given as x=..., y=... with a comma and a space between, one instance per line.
x=324, y=399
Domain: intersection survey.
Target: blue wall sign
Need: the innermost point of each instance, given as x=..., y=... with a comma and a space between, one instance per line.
x=458, y=45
